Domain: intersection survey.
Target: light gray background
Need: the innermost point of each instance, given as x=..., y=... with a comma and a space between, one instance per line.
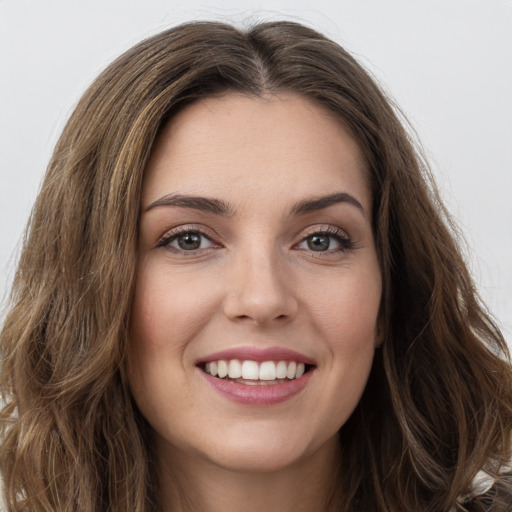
x=448, y=63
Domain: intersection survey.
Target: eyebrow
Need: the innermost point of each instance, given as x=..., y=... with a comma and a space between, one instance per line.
x=314, y=204
x=205, y=204
x=223, y=209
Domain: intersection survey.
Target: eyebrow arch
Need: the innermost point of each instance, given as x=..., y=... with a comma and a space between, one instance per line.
x=311, y=205
x=205, y=204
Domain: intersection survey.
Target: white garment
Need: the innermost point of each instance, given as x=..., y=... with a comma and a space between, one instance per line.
x=481, y=484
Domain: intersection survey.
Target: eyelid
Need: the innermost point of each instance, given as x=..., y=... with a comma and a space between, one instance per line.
x=343, y=238
x=324, y=228
x=174, y=232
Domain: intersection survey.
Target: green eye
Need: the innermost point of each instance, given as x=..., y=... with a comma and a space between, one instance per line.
x=326, y=241
x=318, y=242
x=186, y=240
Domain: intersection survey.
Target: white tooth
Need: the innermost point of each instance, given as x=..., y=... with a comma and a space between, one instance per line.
x=267, y=370
x=300, y=370
x=292, y=368
x=207, y=367
x=235, y=369
x=222, y=368
x=250, y=370
x=213, y=368
x=281, y=370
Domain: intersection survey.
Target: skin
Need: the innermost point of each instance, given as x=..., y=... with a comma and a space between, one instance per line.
x=253, y=282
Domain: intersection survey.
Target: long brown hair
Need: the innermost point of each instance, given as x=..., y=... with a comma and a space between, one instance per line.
x=438, y=405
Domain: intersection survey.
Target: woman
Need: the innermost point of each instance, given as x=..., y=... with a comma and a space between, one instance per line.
x=239, y=291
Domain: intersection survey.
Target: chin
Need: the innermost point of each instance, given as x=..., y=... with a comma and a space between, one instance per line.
x=259, y=458
x=266, y=450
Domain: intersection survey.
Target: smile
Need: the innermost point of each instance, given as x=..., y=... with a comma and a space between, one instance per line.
x=257, y=377
x=253, y=372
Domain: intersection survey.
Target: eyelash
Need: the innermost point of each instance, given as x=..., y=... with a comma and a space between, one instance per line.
x=346, y=244
x=173, y=235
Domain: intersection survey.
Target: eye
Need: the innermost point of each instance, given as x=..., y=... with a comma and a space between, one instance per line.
x=332, y=240
x=318, y=242
x=186, y=240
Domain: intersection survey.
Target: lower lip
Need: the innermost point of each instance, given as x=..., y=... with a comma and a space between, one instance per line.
x=258, y=394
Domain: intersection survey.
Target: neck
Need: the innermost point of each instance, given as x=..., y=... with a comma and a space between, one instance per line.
x=192, y=485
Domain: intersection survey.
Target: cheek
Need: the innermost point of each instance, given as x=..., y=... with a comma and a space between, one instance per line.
x=346, y=310
x=345, y=315
x=168, y=309
x=166, y=314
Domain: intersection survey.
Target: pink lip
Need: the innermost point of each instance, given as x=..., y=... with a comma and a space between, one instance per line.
x=258, y=394
x=257, y=354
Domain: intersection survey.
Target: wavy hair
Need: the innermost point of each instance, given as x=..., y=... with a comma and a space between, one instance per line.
x=438, y=404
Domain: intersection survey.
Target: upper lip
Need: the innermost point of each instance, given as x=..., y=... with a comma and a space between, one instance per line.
x=257, y=354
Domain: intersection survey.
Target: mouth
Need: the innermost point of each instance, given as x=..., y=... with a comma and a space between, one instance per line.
x=257, y=377
x=256, y=373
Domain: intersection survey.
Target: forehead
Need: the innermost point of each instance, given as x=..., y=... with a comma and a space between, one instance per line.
x=236, y=146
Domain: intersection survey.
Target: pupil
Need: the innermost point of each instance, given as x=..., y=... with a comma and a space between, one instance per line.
x=189, y=241
x=318, y=242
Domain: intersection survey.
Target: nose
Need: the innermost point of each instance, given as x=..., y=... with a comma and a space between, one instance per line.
x=260, y=289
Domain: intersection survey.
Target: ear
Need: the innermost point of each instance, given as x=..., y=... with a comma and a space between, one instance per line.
x=379, y=332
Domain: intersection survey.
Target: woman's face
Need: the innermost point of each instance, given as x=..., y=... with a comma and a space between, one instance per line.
x=257, y=259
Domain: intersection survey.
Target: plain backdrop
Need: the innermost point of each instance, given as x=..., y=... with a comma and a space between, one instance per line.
x=447, y=63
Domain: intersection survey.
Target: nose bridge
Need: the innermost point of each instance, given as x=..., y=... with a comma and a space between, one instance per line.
x=259, y=287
